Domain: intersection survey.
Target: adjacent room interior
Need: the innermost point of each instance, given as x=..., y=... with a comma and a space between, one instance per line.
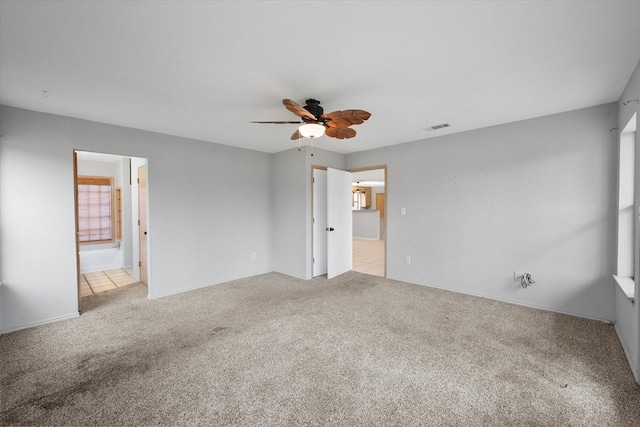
x=369, y=224
x=108, y=220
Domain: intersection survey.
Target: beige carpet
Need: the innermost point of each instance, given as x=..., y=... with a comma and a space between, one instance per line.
x=357, y=350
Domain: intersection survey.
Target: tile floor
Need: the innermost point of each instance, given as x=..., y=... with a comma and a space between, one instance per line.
x=368, y=256
x=101, y=281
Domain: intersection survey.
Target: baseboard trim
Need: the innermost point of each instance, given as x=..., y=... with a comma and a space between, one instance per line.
x=40, y=323
x=553, y=310
x=193, y=288
x=629, y=356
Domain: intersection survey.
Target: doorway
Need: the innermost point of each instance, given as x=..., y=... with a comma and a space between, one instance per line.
x=107, y=215
x=369, y=188
x=332, y=222
x=367, y=252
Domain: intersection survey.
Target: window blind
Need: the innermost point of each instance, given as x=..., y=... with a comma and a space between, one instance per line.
x=95, y=213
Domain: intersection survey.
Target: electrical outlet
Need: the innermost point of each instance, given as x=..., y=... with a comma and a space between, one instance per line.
x=408, y=260
x=253, y=255
x=403, y=212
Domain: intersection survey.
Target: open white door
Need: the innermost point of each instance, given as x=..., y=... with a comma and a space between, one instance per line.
x=142, y=220
x=319, y=222
x=339, y=223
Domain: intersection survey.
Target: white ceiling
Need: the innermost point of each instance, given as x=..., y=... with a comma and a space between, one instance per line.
x=98, y=157
x=368, y=178
x=204, y=70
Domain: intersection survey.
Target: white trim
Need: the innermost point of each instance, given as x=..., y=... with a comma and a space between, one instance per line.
x=626, y=284
x=608, y=321
x=628, y=354
x=40, y=323
x=193, y=288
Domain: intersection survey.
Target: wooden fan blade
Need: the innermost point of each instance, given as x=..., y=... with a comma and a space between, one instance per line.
x=296, y=135
x=340, y=118
x=297, y=109
x=279, y=123
x=340, y=133
x=338, y=122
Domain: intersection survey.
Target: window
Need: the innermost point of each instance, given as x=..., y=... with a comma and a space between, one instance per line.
x=625, y=205
x=95, y=209
x=626, y=210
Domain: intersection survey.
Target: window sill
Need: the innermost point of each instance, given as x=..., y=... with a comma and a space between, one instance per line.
x=627, y=285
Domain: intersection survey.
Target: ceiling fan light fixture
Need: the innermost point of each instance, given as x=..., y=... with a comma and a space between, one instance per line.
x=311, y=130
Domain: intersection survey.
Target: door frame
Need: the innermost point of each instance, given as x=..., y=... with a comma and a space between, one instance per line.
x=143, y=219
x=315, y=239
x=386, y=201
x=77, y=226
x=313, y=167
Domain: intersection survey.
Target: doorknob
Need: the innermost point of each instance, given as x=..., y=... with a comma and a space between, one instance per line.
x=145, y=233
x=329, y=228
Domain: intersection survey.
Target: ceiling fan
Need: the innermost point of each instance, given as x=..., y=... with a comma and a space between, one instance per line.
x=315, y=123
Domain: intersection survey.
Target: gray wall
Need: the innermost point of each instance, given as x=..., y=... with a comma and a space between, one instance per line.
x=127, y=213
x=534, y=196
x=209, y=209
x=627, y=313
x=292, y=214
x=288, y=189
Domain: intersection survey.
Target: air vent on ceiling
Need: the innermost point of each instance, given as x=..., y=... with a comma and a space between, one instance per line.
x=437, y=127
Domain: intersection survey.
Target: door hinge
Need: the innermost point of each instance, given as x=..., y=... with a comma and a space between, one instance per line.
x=138, y=180
x=138, y=222
x=314, y=260
x=139, y=263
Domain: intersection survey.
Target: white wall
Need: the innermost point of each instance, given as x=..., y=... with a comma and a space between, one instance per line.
x=127, y=209
x=292, y=212
x=534, y=196
x=288, y=188
x=374, y=191
x=209, y=209
x=627, y=320
x=101, y=168
x=366, y=224
x=136, y=163
x=39, y=279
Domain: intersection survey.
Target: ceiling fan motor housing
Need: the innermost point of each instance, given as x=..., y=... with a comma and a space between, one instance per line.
x=313, y=106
